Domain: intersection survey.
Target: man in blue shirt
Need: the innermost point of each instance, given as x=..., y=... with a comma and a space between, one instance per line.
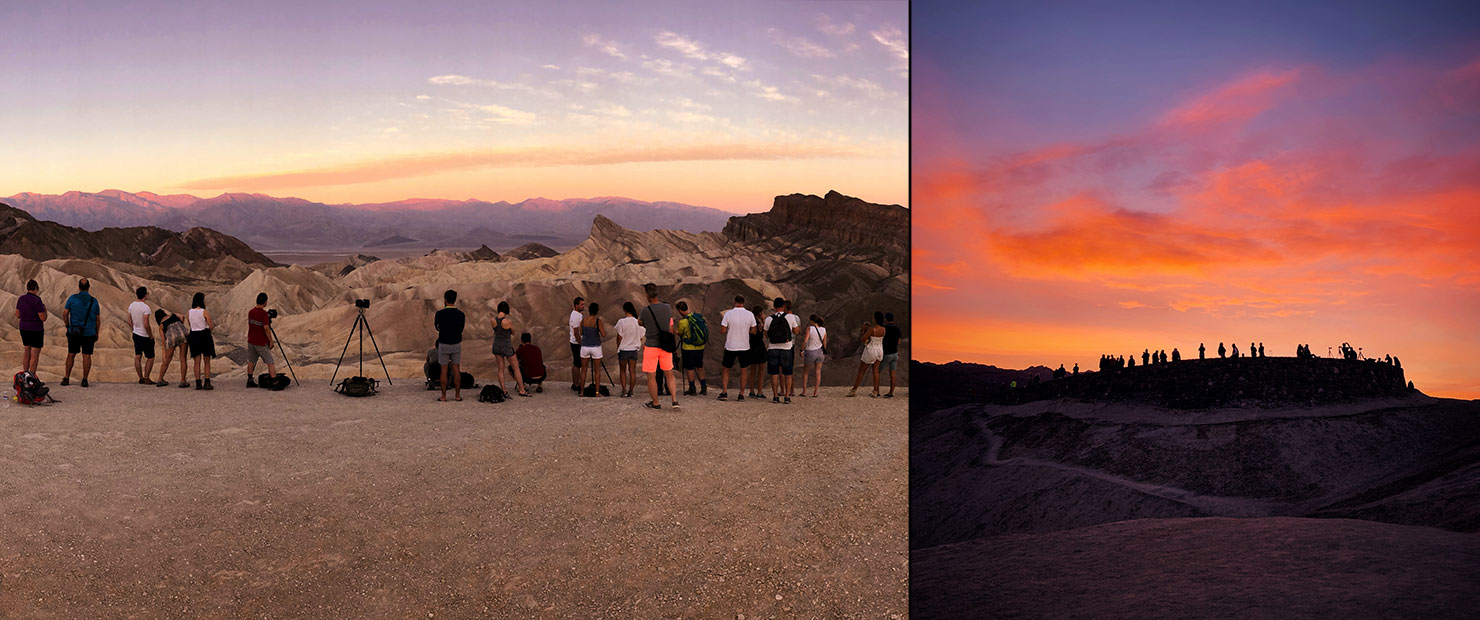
x=80, y=315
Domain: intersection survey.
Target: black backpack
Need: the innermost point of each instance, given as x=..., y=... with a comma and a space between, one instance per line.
x=492, y=394
x=276, y=384
x=467, y=381
x=780, y=330
x=357, y=386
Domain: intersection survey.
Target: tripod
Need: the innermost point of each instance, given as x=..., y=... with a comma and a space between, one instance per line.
x=363, y=326
x=284, y=349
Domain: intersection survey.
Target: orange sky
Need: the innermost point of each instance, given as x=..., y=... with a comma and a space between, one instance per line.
x=1289, y=203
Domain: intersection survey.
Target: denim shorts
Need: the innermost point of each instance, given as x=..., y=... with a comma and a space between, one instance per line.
x=780, y=361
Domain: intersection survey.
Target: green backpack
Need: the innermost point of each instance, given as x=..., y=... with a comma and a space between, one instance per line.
x=698, y=331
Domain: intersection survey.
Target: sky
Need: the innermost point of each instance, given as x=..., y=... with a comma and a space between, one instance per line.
x=1093, y=179
x=715, y=104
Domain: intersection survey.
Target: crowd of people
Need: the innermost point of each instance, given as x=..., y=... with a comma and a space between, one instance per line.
x=1160, y=356
x=762, y=346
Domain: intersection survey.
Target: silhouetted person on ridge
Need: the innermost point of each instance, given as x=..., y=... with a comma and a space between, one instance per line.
x=1132, y=363
x=1059, y=372
x=1202, y=351
x=1146, y=357
x=1076, y=369
x=1388, y=359
x=1176, y=355
x=1261, y=349
x=1399, y=364
x=1235, y=349
x=1253, y=350
x=1222, y=353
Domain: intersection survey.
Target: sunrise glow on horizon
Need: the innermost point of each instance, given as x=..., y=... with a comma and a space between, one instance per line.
x=715, y=105
x=1104, y=180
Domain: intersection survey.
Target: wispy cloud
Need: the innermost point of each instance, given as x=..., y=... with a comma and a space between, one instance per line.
x=605, y=45
x=434, y=163
x=463, y=80
x=695, y=50
x=867, y=87
x=894, y=40
x=826, y=26
x=769, y=93
x=663, y=66
x=799, y=46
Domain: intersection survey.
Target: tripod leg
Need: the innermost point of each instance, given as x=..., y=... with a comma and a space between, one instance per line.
x=379, y=357
x=285, y=353
x=341, y=353
x=608, y=373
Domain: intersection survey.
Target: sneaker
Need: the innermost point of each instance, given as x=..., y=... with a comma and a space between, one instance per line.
x=723, y=396
x=66, y=380
x=161, y=383
x=539, y=389
x=740, y=398
x=704, y=390
x=777, y=399
x=675, y=404
x=788, y=400
x=198, y=385
x=690, y=392
x=209, y=386
x=184, y=384
x=84, y=383
x=251, y=383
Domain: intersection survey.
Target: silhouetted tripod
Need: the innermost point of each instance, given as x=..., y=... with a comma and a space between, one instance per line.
x=363, y=326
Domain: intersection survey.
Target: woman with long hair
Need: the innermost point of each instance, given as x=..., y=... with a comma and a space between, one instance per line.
x=593, y=331
x=814, y=352
x=503, y=348
x=202, y=345
x=630, y=335
x=873, y=352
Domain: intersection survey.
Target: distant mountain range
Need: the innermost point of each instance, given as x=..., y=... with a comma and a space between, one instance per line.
x=285, y=224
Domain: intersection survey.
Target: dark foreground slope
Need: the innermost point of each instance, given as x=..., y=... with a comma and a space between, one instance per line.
x=1275, y=568
x=1114, y=507
x=194, y=250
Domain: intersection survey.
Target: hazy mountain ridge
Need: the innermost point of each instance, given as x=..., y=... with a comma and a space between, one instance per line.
x=273, y=223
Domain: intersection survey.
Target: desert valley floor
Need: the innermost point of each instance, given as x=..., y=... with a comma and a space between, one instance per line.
x=135, y=501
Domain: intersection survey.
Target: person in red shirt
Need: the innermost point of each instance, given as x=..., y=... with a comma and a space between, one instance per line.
x=259, y=340
x=531, y=363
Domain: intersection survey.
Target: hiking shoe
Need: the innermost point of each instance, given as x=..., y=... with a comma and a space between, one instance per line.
x=724, y=396
x=84, y=383
x=209, y=386
x=251, y=383
x=704, y=391
x=691, y=391
x=198, y=385
x=66, y=380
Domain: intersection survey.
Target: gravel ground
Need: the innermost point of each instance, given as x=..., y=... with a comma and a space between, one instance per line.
x=128, y=501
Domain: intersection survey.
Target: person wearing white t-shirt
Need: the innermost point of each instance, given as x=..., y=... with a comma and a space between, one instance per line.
x=143, y=335
x=574, y=331
x=736, y=325
x=814, y=352
x=780, y=358
x=630, y=334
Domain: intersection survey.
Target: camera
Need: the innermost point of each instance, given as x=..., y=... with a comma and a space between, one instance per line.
x=272, y=313
x=362, y=303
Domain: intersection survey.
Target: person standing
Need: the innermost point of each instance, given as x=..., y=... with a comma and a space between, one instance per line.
x=1202, y=352
x=202, y=345
x=449, y=322
x=593, y=331
x=259, y=340
x=30, y=314
x=503, y=348
x=658, y=346
x=630, y=339
x=80, y=314
x=573, y=326
x=693, y=335
x=892, y=336
x=873, y=353
x=757, y=354
x=814, y=347
x=735, y=325
x=781, y=330
x=143, y=336
x=1222, y=352
x=531, y=363
x=174, y=336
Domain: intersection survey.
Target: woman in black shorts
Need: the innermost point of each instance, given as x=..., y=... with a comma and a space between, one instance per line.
x=202, y=346
x=755, y=358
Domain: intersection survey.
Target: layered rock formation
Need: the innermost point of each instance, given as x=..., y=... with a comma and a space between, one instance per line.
x=823, y=273
x=834, y=226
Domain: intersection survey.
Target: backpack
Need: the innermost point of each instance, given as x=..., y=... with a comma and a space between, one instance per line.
x=276, y=384
x=467, y=381
x=698, y=331
x=492, y=394
x=780, y=330
x=357, y=386
x=29, y=390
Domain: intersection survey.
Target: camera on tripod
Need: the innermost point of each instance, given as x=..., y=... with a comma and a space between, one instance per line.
x=362, y=303
x=272, y=313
